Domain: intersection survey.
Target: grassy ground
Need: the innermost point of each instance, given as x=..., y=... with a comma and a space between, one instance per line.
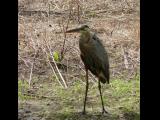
x=52, y=102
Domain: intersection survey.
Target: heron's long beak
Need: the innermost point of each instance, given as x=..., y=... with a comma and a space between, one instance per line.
x=74, y=30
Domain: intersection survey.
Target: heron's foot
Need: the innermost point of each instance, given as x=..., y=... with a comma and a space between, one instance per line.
x=104, y=111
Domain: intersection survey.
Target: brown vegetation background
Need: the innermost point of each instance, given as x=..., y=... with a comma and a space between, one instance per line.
x=116, y=23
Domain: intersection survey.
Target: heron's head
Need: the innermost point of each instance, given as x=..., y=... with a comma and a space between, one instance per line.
x=79, y=29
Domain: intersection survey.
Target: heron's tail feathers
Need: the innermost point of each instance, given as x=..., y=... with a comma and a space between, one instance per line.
x=104, y=78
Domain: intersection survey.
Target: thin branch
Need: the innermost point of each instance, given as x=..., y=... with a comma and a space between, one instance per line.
x=52, y=68
x=125, y=58
x=54, y=72
x=64, y=32
x=32, y=66
x=55, y=64
x=58, y=70
x=78, y=10
x=25, y=62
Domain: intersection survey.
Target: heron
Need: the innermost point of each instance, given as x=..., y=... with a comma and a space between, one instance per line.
x=95, y=59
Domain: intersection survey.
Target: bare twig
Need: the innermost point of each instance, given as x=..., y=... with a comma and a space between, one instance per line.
x=78, y=10
x=58, y=70
x=52, y=68
x=25, y=62
x=125, y=58
x=64, y=32
x=48, y=47
x=54, y=72
x=32, y=66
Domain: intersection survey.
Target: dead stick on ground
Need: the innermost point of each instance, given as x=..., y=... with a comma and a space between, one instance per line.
x=125, y=58
x=58, y=70
x=54, y=72
x=55, y=64
x=32, y=66
x=52, y=68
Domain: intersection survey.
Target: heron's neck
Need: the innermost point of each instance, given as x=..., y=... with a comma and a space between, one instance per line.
x=85, y=36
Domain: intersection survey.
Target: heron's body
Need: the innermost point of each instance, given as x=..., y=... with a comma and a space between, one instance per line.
x=94, y=55
x=95, y=58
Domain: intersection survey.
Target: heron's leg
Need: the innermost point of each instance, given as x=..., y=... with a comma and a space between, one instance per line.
x=99, y=86
x=84, y=109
